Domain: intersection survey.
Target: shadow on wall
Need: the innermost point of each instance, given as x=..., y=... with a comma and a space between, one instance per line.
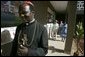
x=55, y=50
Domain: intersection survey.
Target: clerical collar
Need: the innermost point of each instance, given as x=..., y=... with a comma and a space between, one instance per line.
x=30, y=21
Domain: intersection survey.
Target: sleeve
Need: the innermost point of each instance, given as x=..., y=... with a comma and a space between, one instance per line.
x=43, y=43
x=43, y=46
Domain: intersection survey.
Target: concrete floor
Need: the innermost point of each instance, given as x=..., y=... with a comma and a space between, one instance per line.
x=56, y=47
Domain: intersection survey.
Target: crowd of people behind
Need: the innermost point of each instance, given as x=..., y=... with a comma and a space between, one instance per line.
x=54, y=29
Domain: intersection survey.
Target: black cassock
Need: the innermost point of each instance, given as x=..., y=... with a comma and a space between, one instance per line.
x=39, y=46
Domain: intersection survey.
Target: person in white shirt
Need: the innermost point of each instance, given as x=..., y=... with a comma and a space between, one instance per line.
x=60, y=27
x=55, y=29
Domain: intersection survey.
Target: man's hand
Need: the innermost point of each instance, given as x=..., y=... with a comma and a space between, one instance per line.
x=23, y=50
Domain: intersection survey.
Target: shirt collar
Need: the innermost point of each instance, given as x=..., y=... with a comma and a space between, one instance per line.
x=30, y=21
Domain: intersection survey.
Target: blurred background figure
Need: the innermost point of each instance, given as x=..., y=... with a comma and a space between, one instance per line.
x=6, y=43
x=60, y=27
x=55, y=29
x=49, y=26
x=63, y=33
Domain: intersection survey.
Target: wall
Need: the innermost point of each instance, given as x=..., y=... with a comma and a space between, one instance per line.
x=41, y=10
x=71, y=10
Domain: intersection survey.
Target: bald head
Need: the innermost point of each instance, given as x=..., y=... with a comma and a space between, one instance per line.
x=26, y=10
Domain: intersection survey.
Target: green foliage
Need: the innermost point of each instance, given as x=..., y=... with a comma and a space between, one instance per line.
x=18, y=20
x=79, y=30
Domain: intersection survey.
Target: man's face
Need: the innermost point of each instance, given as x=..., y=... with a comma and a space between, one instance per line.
x=26, y=10
x=26, y=13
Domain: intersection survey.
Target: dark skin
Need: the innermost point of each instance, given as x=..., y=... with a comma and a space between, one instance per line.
x=23, y=50
x=28, y=18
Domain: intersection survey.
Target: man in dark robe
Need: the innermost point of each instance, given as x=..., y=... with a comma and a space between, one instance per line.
x=31, y=37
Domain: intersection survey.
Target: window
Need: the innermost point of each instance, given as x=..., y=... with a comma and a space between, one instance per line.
x=77, y=5
x=9, y=20
x=82, y=8
x=8, y=13
x=83, y=5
